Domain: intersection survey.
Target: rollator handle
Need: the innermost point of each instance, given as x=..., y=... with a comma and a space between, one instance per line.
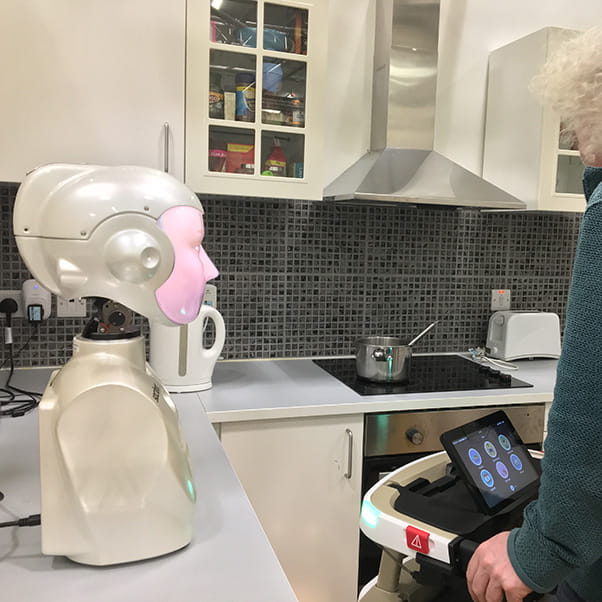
x=464, y=551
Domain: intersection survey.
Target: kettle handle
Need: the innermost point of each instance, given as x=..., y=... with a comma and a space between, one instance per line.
x=210, y=313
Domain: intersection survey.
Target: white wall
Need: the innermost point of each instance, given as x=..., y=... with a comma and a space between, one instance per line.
x=469, y=30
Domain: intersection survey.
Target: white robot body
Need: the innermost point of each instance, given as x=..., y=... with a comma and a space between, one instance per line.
x=116, y=484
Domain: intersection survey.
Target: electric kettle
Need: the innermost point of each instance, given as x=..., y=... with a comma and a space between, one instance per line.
x=178, y=355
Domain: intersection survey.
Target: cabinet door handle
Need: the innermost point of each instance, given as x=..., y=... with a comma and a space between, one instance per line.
x=349, y=434
x=166, y=147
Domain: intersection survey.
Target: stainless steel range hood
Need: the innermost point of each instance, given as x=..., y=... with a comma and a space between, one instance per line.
x=401, y=165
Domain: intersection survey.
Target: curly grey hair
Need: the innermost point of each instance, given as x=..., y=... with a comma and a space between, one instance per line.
x=571, y=83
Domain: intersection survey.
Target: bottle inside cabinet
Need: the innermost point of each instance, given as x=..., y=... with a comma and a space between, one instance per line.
x=282, y=154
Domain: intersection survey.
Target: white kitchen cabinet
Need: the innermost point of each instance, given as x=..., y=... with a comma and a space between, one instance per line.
x=91, y=82
x=247, y=94
x=303, y=478
x=523, y=150
x=348, y=85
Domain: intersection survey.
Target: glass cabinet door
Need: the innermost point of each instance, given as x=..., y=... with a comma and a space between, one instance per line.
x=283, y=92
x=569, y=175
x=234, y=77
x=569, y=167
x=229, y=22
x=251, y=65
x=285, y=28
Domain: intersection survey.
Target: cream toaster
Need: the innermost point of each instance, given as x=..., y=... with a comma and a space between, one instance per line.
x=514, y=335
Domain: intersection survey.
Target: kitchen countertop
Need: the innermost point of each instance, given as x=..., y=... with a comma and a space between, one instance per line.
x=229, y=558
x=267, y=389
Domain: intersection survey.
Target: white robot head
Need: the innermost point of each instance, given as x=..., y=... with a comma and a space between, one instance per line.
x=131, y=234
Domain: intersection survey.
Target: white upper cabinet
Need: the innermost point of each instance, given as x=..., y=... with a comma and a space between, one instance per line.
x=348, y=85
x=525, y=152
x=255, y=97
x=91, y=82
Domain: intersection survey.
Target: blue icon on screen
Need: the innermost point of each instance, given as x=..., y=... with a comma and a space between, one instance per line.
x=475, y=456
x=516, y=462
x=487, y=478
x=504, y=442
x=490, y=449
x=501, y=469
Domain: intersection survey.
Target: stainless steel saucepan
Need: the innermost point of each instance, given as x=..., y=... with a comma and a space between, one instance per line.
x=386, y=359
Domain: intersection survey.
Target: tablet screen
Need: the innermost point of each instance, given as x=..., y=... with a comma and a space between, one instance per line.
x=490, y=455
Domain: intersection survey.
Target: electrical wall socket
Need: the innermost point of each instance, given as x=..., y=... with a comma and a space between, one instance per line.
x=16, y=295
x=500, y=299
x=71, y=308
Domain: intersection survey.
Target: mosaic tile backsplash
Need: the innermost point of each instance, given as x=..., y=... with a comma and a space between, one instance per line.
x=302, y=279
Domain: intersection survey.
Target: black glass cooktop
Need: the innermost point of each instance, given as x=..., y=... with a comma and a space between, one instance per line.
x=427, y=373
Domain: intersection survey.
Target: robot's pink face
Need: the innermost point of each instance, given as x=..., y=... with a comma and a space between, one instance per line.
x=180, y=296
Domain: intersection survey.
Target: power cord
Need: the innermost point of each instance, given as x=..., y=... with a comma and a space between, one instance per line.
x=23, y=406
x=478, y=354
x=10, y=405
x=33, y=520
x=24, y=346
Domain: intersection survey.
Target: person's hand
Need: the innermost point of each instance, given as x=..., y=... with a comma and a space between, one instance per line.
x=490, y=574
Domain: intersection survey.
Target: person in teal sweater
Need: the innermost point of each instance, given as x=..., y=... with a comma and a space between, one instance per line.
x=560, y=540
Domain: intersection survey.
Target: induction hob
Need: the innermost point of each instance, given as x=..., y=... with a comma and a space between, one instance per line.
x=428, y=373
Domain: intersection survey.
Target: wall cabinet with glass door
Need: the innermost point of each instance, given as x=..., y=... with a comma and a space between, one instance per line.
x=254, y=106
x=526, y=150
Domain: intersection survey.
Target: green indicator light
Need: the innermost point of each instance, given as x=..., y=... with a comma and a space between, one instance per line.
x=370, y=514
x=191, y=490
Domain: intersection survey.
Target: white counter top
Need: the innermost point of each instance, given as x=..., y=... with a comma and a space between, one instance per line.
x=264, y=389
x=229, y=558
